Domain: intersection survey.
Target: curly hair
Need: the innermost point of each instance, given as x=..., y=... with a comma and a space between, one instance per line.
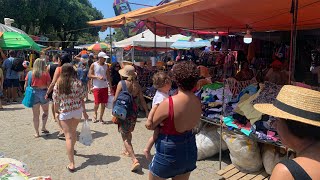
x=160, y=79
x=186, y=75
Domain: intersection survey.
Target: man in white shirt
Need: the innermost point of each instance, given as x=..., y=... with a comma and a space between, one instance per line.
x=100, y=74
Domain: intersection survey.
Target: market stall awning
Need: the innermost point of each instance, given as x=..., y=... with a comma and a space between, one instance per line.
x=221, y=15
x=17, y=41
x=146, y=39
x=5, y=28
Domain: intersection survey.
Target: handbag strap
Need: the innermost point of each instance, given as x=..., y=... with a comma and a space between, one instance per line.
x=29, y=78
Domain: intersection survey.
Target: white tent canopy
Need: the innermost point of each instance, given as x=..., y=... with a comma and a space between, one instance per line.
x=148, y=40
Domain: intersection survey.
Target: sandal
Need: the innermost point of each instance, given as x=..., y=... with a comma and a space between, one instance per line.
x=45, y=131
x=60, y=135
x=70, y=170
x=94, y=120
x=102, y=122
x=135, y=166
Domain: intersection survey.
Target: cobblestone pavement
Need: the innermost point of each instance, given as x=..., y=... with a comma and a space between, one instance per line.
x=102, y=160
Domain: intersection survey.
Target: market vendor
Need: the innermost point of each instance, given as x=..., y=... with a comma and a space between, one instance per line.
x=298, y=124
x=275, y=73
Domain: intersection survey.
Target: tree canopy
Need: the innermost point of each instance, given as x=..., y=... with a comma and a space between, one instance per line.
x=63, y=20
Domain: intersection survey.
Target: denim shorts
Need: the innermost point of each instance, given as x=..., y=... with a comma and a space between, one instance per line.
x=175, y=155
x=39, y=96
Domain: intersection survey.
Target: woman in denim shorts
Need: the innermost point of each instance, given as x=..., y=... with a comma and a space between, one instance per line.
x=176, y=150
x=40, y=83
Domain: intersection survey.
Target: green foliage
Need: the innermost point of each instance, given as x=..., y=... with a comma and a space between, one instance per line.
x=117, y=35
x=53, y=18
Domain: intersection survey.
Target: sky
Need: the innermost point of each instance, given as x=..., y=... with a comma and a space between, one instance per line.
x=106, y=7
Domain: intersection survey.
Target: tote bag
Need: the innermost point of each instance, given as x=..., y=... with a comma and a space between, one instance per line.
x=29, y=95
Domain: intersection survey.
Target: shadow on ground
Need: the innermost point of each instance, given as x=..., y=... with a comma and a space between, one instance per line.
x=6, y=108
x=95, y=160
x=97, y=134
x=224, y=157
x=143, y=161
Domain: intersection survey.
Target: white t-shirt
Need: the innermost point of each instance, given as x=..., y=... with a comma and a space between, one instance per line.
x=100, y=71
x=159, y=97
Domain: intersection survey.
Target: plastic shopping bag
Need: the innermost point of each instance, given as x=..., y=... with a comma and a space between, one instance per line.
x=110, y=102
x=85, y=135
x=244, y=152
x=208, y=142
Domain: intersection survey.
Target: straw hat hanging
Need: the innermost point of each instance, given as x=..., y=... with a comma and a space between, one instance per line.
x=294, y=103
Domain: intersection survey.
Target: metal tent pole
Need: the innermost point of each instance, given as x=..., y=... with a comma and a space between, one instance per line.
x=132, y=52
x=293, y=44
x=111, y=45
x=155, y=41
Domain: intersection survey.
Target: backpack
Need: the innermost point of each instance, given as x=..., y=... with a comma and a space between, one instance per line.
x=123, y=106
x=17, y=65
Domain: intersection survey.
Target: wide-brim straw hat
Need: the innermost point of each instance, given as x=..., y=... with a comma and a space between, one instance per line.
x=294, y=103
x=128, y=71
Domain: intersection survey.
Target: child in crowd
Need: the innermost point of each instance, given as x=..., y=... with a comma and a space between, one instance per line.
x=82, y=72
x=162, y=82
x=1, y=87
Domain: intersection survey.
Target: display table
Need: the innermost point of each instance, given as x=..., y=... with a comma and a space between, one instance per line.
x=232, y=173
x=216, y=122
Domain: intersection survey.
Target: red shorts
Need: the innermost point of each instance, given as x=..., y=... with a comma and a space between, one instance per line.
x=100, y=95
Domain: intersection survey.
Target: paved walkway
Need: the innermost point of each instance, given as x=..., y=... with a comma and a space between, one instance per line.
x=102, y=160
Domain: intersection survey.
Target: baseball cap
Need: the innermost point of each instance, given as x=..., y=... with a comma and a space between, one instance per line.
x=103, y=55
x=91, y=54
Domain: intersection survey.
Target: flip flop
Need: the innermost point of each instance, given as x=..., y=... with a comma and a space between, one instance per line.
x=94, y=120
x=70, y=170
x=45, y=131
x=135, y=166
x=102, y=122
x=60, y=135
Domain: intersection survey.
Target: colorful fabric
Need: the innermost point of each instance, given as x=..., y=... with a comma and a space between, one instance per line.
x=268, y=93
x=70, y=102
x=213, y=86
x=11, y=171
x=246, y=109
x=230, y=122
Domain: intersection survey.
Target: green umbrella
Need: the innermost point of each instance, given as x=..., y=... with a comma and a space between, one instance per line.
x=16, y=41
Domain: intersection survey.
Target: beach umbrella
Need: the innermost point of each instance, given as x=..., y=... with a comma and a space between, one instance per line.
x=99, y=46
x=188, y=43
x=5, y=28
x=17, y=41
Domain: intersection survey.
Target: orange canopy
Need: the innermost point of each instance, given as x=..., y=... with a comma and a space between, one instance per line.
x=221, y=15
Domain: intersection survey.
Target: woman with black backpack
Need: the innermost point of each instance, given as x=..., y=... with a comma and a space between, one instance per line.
x=126, y=124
